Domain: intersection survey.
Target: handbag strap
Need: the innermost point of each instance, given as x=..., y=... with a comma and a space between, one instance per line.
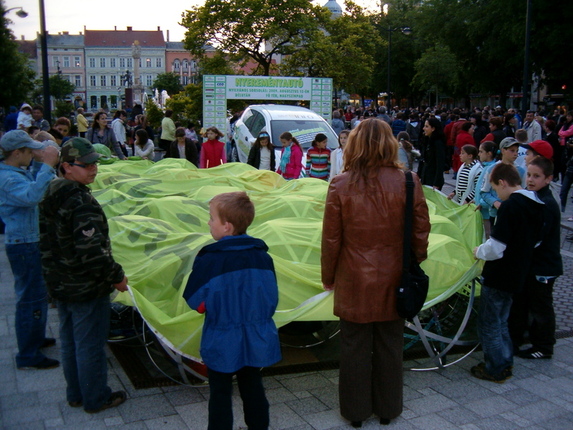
x=408, y=212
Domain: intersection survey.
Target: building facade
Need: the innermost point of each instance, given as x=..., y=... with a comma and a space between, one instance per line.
x=66, y=58
x=109, y=64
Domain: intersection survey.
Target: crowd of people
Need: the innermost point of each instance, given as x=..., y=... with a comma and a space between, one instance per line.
x=57, y=241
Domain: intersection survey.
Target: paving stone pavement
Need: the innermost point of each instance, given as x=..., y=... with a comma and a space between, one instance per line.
x=539, y=396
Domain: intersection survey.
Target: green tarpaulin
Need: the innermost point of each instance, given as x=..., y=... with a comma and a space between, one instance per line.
x=158, y=217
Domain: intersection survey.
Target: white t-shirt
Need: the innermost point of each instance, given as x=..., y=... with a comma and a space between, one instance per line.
x=265, y=158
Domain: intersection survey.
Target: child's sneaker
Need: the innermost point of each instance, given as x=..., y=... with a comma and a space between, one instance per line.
x=534, y=354
x=480, y=373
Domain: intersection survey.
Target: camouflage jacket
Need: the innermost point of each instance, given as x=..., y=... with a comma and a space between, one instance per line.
x=74, y=240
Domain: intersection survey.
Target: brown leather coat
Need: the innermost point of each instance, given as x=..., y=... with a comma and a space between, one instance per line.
x=362, y=241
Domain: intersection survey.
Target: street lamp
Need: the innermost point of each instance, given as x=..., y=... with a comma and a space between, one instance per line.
x=45, y=69
x=404, y=30
x=21, y=12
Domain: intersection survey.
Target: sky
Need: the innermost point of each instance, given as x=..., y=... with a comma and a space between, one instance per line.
x=73, y=15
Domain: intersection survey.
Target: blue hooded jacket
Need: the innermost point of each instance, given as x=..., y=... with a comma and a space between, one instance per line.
x=236, y=281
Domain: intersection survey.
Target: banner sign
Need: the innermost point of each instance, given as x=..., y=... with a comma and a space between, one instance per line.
x=217, y=89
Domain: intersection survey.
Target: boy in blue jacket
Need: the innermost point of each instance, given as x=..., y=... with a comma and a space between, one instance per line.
x=233, y=281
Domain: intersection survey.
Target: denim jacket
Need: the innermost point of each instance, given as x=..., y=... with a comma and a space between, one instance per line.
x=20, y=192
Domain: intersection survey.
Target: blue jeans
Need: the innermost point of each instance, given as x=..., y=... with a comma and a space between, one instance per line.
x=493, y=331
x=84, y=327
x=31, y=301
x=255, y=404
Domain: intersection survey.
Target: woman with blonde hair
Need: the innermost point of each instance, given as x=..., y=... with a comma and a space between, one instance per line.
x=362, y=246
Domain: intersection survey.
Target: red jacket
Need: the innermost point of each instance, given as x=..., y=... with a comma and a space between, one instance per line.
x=212, y=154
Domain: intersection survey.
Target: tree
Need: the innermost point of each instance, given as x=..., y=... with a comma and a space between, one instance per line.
x=60, y=88
x=340, y=52
x=252, y=29
x=168, y=82
x=16, y=76
x=154, y=114
x=436, y=70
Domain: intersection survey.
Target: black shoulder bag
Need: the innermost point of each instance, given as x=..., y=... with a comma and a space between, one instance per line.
x=413, y=289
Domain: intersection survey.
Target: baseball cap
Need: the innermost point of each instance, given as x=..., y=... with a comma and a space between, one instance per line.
x=540, y=147
x=507, y=142
x=78, y=149
x=17, y=139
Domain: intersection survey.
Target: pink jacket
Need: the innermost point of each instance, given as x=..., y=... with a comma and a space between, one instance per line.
x=294, y=165
x=564, y=134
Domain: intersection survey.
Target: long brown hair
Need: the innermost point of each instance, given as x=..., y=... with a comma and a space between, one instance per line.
x=288, y=136
x=371, y=145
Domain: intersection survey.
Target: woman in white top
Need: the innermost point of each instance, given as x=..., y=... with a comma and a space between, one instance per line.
x=336, y=162
x=143, y=145
x=262, y=153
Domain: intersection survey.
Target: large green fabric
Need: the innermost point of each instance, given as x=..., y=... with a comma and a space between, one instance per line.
x=158, y=217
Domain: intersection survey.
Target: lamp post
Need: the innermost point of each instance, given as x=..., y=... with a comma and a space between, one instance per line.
x=21, y=12
x=404, y=30
x=45, y=69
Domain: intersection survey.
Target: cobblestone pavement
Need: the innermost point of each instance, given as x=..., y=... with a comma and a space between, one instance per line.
x=539, y=396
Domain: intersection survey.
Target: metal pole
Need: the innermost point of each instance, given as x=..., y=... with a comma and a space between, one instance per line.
x=526, y=72
x=389, y=57
x=45, y=70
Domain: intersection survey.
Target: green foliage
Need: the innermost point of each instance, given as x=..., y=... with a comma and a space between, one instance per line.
x=251, y=29
x=436, y=70
x=63, y=108
x=340, y=52
x=60, y=88
x=16, y=76
x=154, y=114
x=168, y=82
x=218, y=64
x=188, y=104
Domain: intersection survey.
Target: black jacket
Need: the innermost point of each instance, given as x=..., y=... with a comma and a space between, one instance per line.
x=547, y=256
x=255, y=157
x=191, y=153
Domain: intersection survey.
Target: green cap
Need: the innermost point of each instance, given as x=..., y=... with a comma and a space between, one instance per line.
x=79, y=149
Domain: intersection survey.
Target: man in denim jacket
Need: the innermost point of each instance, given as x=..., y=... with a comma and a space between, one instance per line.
x=22, y=187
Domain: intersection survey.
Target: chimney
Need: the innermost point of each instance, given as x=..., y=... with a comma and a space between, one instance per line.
x=23, y=37
x=115, y=28
x=168, y=35
x=158, y=28
x=129, y=28
x=84, y=28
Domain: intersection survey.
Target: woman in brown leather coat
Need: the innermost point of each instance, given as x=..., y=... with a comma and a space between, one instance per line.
x=361, y=261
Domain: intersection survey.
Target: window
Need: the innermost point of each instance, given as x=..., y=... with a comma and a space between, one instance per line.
x=148, y=62
x=185, y=66
x=103, y=102
x=78, y=80
x=103, y=81
x=176, y=65
x=93, y=102
x=112, y=63
x=55, y=61
x=66, y=62
x=130, y=63
x=113, y=102
x=158, y=62
x=92, y=62
x=113, y=81
x=185, y=79
x=122, y=63
x=93, y=81
x=149, y=80
x=77, y=62
x=139, y=62
x=102, y=62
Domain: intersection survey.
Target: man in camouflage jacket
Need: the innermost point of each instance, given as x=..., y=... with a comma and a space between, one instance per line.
x=80, y=273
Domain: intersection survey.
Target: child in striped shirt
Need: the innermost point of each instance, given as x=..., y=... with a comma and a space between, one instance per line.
x=468, y=176
x=318, y=158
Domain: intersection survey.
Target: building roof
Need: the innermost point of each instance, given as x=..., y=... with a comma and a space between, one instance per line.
x=63, y=39
x=124, y=38
x=334, y=8
x=27, y=47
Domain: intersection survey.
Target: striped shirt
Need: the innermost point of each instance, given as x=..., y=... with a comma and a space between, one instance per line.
x=462, y=184
x=318, y=163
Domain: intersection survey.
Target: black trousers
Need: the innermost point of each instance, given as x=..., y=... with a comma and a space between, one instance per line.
x=532, y=311
x=255, y=403
x=371, y=374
